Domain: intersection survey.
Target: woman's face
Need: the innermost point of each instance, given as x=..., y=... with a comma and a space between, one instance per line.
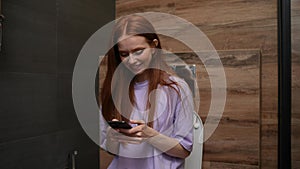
x=136, y=53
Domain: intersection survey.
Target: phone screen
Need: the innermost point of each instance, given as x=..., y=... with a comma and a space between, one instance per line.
x=119, y=124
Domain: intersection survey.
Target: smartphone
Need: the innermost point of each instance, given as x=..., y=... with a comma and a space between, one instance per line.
x=119, y=125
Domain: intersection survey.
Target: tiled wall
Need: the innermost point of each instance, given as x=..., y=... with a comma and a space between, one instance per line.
x=41, y=41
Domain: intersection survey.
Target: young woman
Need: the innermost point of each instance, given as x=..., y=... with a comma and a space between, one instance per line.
x=139, y=89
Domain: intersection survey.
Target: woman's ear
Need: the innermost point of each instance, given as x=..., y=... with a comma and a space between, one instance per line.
x=155, y=42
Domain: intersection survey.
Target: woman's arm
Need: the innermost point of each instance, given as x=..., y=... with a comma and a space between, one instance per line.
x=112, y=145
x=170, y=146
x=107, y=141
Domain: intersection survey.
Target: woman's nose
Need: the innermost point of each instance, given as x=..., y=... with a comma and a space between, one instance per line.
x=131, y=59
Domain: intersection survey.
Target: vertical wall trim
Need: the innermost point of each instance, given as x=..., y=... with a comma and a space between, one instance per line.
x=284, y=84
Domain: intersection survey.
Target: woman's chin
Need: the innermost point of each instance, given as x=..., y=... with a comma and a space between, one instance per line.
x=137, y=72
x=140, y=75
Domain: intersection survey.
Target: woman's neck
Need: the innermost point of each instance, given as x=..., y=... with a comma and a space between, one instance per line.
x=141, y=77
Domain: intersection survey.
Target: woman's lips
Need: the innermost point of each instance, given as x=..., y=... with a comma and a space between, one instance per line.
x=136, y=67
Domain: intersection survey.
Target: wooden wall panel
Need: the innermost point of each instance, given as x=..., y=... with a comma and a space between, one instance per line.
x=236, y=141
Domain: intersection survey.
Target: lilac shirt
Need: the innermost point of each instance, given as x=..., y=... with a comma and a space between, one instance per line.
x=173, y=118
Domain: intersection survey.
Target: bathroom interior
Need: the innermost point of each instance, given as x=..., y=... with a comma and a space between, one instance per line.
x=260, y=124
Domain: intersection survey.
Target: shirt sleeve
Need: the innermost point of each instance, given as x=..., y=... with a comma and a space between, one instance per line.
x=103, y=127
x=183, y=121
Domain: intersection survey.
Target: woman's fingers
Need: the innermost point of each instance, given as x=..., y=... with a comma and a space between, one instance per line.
x=139, y=122
x=138, y=133
x=133, y=131
x=126, y=139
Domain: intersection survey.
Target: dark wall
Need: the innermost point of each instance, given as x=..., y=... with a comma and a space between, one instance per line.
x=41, y=41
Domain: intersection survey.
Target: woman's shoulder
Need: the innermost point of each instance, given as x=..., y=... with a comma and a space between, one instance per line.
x=178, y=84
x=179, y=81
x=176, y=79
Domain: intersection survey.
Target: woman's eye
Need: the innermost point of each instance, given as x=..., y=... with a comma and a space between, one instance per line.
x=138, y=52
x=124, y=54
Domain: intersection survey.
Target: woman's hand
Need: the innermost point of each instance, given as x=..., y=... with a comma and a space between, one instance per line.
x=126, y=135
x=112, y=145
x=141, y=131
x=164, y=143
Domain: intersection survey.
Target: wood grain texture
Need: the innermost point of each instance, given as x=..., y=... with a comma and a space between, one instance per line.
x=104, y=159
x=236, y=141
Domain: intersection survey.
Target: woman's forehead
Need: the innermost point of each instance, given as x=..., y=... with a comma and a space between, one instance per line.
x=132, y=42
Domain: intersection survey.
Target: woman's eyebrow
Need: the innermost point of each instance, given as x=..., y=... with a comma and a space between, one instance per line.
x=132, y=50
x=123, y=51
x=137, y=49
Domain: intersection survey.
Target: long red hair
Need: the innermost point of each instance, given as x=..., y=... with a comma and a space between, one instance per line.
x=132, y=25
